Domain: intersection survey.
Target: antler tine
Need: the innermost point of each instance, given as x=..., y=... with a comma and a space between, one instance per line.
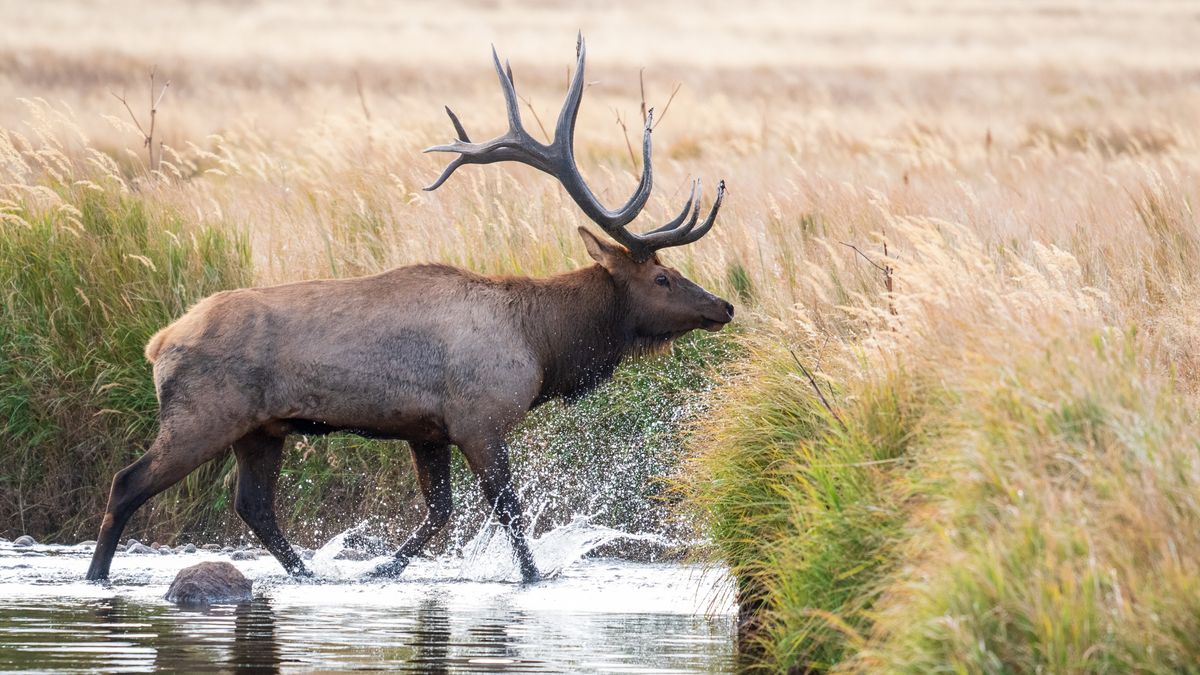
x=510, y=94
x=458, y=127
x=457, y=161
x=664, y=237
x=708, y=222
x=454, y=164
x=674, y=222
x=567, y=172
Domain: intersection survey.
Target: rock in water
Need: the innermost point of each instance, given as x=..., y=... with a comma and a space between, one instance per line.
x=24, y=540
x=209, y=583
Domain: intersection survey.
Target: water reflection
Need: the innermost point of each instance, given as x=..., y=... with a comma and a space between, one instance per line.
x=255, y=647
x=430, y=640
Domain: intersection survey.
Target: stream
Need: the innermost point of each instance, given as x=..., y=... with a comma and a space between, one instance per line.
x=450, y=614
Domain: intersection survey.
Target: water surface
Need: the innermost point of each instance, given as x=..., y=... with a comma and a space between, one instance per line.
x=453, y=614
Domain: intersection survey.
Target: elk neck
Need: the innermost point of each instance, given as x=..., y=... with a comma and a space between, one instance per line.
x=578, y=324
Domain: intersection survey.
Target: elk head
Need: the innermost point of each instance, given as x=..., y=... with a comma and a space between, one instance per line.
x=661, y=302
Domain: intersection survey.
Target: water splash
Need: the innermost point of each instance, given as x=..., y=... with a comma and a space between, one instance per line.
x=486, y=556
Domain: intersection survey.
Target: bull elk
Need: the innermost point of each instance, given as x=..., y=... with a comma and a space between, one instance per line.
x=429, y=354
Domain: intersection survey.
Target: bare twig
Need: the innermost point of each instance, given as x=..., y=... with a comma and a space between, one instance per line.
x=148, y=135
x=888, y=270
x=645, y=109
x=131, y=115
x=362, y=97
x=820, y=394
x=642, y=86
x=667, y=107
x=536, y=117
x=879, y=267
x=625, y=135
x=153, y=116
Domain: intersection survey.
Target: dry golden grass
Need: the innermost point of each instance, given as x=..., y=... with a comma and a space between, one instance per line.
x=1033, y=120
x=1015, y=406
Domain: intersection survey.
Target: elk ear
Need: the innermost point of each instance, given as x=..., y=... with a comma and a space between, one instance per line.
x=608, y=255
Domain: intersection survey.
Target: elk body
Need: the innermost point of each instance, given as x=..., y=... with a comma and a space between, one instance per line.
x=429, y=354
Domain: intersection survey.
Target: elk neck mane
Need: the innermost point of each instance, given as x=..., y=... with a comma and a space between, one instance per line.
x=579, y=324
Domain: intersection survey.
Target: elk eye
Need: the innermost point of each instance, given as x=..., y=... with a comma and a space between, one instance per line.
x=661, y=280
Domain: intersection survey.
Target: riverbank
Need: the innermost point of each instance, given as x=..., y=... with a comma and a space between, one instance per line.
x=986, y=457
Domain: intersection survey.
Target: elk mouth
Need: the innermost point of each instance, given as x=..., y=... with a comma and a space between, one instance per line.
x=714, y=325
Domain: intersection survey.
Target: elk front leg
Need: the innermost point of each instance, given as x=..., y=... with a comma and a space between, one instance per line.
x=432, y=462
x=259, y=457
x=489, y=463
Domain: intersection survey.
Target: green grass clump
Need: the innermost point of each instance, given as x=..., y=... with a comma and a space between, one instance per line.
x=1030, y=511
x=608, y=453
x=801, y=503
x=84, y=285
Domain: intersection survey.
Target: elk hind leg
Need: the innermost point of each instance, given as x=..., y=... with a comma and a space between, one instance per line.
x=172, y=456
x=259, y=456
x=432, y=462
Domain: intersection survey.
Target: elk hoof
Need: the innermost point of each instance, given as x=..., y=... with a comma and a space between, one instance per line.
x=530, y=575
x=389, y=570
x=302, y=572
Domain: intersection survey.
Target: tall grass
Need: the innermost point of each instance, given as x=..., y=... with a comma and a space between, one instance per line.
x=85, y=284
x=994, y=478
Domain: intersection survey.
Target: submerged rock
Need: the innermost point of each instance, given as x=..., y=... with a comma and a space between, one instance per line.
x=131, y=542
x=243, y=555
x=24, y=540
x=209, y=583
x=89, y=542
x=211, y=547
x=190, y=548
x=138, y=548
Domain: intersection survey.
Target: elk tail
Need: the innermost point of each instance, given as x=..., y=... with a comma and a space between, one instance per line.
x=155, y=345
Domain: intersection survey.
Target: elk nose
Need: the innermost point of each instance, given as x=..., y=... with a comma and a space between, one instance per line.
x=729, y=308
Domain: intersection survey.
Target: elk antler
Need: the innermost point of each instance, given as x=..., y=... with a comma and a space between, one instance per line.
x=558, y=160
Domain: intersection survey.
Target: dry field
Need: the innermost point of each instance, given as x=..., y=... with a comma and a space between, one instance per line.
x=1016, y=477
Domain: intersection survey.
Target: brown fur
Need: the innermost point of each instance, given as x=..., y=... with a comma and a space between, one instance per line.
x=430, y=354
